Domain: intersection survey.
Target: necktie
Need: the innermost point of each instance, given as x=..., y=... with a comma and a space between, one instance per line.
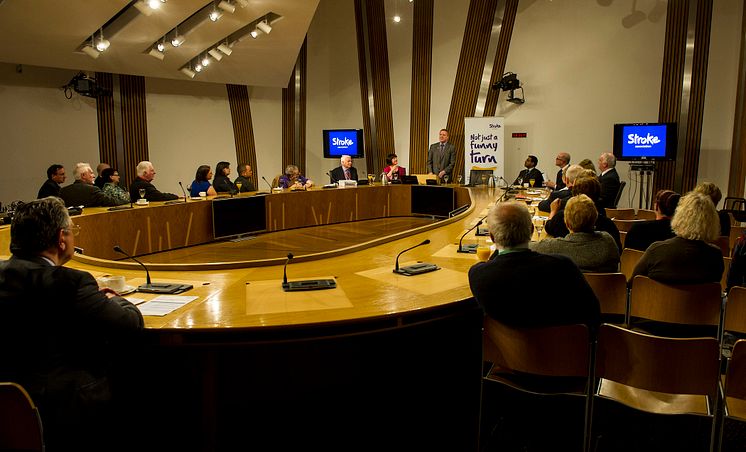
x=347, y=174
x=442, y=146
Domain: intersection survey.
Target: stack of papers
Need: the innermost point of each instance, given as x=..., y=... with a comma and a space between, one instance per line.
x=162, y=304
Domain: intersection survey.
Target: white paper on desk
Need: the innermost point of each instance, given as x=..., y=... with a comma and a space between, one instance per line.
x=135, y=301
x=164, y=304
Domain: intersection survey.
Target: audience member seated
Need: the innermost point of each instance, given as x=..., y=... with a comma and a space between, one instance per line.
x=345, y=171
x=505, y=285
x=244, y=178
x=144, y=179
x=393, y=171
x=687, y=258
x=531, y=172
x=201, y=183
x=110, y=176
x=58, y=330
x=588, y=164
x=644, y=234
x=55, y=177
x=569, y=176
x=222, y=183
x=83, y=193
x=293, y=179
x=563, y=162
x=591, y=250
x=609, y=179
x=99, y=182
x=712, y=190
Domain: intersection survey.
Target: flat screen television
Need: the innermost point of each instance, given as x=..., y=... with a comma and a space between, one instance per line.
x=339, y=142
x=645, y=141
x=239, y=215
x=433, y=200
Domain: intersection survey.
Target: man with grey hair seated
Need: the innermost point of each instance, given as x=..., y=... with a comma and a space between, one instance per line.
x=345, y=170
x=144, y=179
x=505, y=285
x=570, y=174
x=609, y=179
x=83, y=193
x=58, y=330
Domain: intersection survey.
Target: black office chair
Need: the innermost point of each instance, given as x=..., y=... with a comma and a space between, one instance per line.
x=736, y=207
x=619, y=193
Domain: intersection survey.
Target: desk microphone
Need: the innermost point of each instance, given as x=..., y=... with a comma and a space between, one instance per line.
x=149, y=287
x=177, y=201
x=183, y=191
x=469, y=248
x=310, y=284
x=270, y=185
x=415, y=269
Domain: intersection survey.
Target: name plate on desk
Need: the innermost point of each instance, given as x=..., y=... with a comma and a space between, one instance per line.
x=310, y=284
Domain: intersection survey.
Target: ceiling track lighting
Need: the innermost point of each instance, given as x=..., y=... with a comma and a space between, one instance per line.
x=243, y=3
x=215, y=14
x=146, y=7
x=155, y=53
x=102, y=43
x=177, y=40
x=264, y=26
x=225, y=49
x=227, y=6
x=217, y=56
x=91, y=51
x=188, y=72
x=254, y=33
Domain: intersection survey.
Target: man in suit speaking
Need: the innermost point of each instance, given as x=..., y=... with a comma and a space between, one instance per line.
x=345, y=171
x=441, y=156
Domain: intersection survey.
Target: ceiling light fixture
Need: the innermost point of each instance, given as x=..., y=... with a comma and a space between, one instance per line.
x=227, y=6
x=397, y=18
x=205, y=61
x=254, y=33
x=243, y=3
x=155, y=53
x=215, y=54
x=198, y=68
x=161, y=46
x=90, y=50
x=102, y=43
x=264, y=26
x=188, y=72
x=215, y=14
x=177, y=40
x=146, y=7
x=225, y=49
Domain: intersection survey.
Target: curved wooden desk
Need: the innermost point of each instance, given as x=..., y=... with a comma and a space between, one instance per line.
x=387, y=362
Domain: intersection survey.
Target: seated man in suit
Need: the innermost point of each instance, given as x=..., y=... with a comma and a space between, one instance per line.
x=244, y=178
x=83, y=193
x=57, y=329
x=55, y=177
x=563, y=161
x=504, y=285
x=564, y=193
x=144, y=179
x=531, y=172
x=345, y=171
x=609, y=179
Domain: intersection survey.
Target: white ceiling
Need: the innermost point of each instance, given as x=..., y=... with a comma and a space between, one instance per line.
x=50, y=32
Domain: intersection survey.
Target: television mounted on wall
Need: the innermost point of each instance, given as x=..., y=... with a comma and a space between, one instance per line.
x=645, y=141
x=339, y=142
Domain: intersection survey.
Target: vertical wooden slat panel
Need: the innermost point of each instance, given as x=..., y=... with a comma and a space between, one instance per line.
x=503, y=46
x=737, y=176
x=243, y=129
x=107, y=141
x=469, y=73
x=134, y=124
x=294, y=127
x=422, y=60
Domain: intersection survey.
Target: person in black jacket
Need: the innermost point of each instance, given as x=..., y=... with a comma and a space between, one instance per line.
x=609, y=179
x=55, y=177
x=531, y=172
x=144, y=179
x=222, y=183
x=644, y=234
x=345, y=170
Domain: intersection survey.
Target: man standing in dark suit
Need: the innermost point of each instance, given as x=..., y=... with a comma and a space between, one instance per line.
x=609, y=179
x=55, y=177
x=563, y=161
x=83, y=193
x=343, y=172
x=531, y=172
x=57, y=329
x=504, y=285
x=145, y=175
x=441, y=156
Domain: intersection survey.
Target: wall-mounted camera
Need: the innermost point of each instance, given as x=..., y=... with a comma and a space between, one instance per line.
x=509, y=82
x=83, y=85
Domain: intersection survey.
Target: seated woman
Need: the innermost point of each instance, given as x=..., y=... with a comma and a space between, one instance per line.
x=202, y=182
x=588, y=164
x=712, y=190
x=222, y=183
x=687, y=258
x=591, y=250
x=110, y=176
x=393, y=171
x=293, y=179
x=642, y=235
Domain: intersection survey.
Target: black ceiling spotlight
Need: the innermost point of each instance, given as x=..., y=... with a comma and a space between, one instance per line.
x=509, y=82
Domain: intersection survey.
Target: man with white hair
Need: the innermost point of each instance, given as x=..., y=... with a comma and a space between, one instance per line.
x=144, y=179
x=609, y=179
x=345, y=171
x=83, y=193
x=564, y=193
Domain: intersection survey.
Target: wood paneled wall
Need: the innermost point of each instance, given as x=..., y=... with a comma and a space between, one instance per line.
x=422, y=62
x=503, y=45
x=134, y=124
x=107, y=138
x=243, y=129
x=294, y=116
x=738, y=150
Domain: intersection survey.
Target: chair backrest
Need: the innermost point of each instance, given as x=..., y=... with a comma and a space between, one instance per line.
x=734, y=203
x=735, y=379
x=646, y=214
x=726, y=269
x=611, y=291
x=549, y=351
x=475, y=177
x=620, y=214
x=625, y=225
x=655, y=363
x=20, y=424
x=735, y=310
x=723, y=242
x=628, y=261
x=688, y=304
x=619, y=193
x=622, y=237
x=735, y=233
x=276, y=181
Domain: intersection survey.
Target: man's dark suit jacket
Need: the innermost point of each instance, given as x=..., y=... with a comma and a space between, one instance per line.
x=49, y=188
x=544, y=206
x=56, y=332
x=505, y=287
x=441, y=161
x=151, y=193
x=559, y=183
x=609, y=188
x=338, y=173
x=87, y=195
x=246, y=184
x=642, y=235
x=525, y=175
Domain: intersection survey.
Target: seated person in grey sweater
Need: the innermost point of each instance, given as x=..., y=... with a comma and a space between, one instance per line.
x=591, y=250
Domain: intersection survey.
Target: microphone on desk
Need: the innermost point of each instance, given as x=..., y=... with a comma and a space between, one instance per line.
x=468, y=248
x=177, y=201
x=415, y=269
x=270, y=185
x=309, y=284
x=149, y=287
x=183, y=191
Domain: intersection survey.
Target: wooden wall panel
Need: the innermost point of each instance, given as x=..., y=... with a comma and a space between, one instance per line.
x=294, y=115
x=422, y=61
x=503, y=46
x=243, y=129
x=134, y=124
x=737, y=174
x=107, y=140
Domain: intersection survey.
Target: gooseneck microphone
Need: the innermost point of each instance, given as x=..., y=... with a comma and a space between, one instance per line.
x=268, y=184
x=149, y=287
x=183, y=191
x=415, y=269
x=309, y=284
x=285, y=272
x=472, y=248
